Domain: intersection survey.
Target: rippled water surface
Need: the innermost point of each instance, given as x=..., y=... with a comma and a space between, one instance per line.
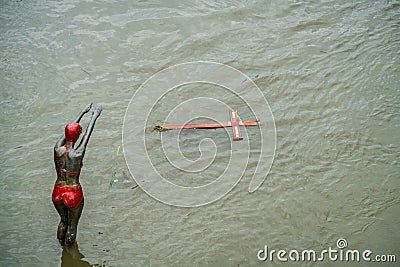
x=330, y=72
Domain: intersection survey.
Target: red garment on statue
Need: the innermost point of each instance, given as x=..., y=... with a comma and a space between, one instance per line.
x=71, y=196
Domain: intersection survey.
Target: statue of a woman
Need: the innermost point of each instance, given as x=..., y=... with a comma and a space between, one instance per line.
x=67, y=194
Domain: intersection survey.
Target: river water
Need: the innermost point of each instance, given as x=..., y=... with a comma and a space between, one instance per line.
x=329, y=70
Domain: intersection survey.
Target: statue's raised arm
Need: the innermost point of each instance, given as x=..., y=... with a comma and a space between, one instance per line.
x=61, y=141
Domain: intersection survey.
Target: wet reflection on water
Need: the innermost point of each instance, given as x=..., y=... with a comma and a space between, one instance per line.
x=71, y=256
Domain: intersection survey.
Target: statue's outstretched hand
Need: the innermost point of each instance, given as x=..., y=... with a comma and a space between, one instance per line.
x=97, y=111
x=83, y=112
x=88, y=107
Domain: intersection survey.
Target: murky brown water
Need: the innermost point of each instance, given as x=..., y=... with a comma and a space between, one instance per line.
x=330, y=72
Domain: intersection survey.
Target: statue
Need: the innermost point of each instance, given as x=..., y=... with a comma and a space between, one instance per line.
x=67, y=193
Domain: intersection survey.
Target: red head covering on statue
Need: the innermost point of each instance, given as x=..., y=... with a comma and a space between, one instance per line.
x=72, y=131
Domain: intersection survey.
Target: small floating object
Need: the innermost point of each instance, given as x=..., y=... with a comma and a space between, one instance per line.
x=235, y=123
